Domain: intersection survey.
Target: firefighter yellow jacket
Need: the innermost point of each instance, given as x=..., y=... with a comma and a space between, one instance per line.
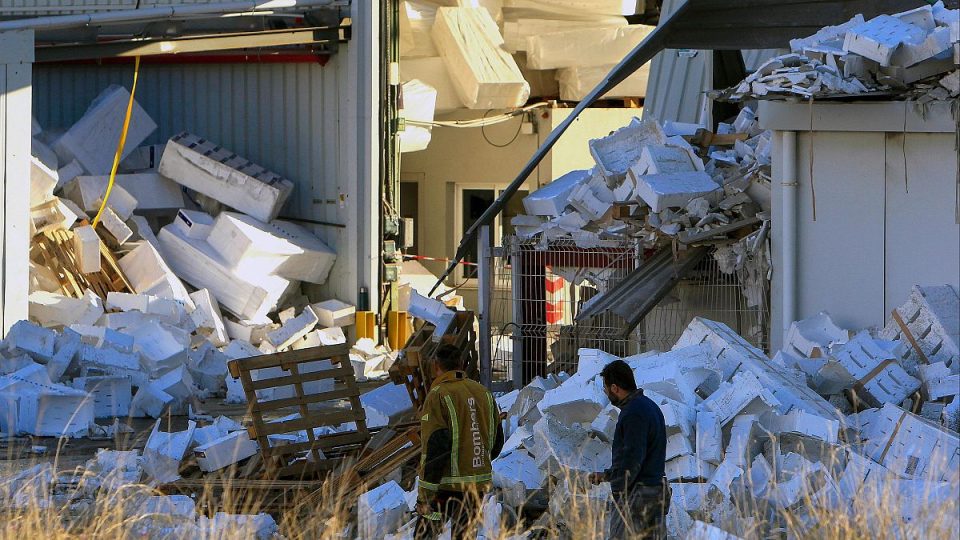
x=468, y=410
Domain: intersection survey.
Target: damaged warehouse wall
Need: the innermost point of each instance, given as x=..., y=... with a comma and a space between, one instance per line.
x=286, y=117
x=884, y=192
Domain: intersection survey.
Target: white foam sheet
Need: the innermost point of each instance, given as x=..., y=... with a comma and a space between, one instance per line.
x=485, y=75
x=584, y=47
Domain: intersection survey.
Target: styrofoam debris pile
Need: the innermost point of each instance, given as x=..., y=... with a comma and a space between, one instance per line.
x=498, y=54
x=799, y=432
x=210, y=284
x=914, y=53
x=666, y=188
x=118, y=480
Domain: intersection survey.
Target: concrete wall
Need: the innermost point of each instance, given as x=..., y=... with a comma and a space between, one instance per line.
x=884, y=186
x=464, y=156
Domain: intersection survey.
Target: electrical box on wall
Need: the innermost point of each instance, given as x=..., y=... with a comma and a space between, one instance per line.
x=391, y=272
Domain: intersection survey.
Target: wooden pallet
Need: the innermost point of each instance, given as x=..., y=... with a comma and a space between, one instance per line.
x=54, y=250
x=372, y=467
x=319, y=453
x=414, y=367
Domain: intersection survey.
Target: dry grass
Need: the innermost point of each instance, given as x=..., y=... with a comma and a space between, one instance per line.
x=69, y=505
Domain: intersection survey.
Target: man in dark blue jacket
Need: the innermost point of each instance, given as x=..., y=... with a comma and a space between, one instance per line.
x=641, y=494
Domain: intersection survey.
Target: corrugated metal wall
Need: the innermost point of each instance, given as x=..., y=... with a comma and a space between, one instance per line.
x=679, y=78
x=61, y=7
x=285, y=117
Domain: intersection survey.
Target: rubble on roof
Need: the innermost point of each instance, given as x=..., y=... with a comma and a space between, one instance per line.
x=909, y=54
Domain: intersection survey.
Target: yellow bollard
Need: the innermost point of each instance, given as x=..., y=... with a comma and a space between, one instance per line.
x=366, y=325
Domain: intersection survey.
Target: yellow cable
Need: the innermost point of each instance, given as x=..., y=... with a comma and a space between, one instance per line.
x=120, y=143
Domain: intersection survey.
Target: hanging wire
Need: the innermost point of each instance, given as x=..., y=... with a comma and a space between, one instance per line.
x=120, y=143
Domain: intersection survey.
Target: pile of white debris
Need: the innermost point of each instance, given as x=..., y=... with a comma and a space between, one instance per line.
x=913, y=54
x=214, y=276
x=835, y=418
x=497, y=54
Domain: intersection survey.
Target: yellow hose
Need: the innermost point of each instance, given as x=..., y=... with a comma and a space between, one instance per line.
x=123, y=140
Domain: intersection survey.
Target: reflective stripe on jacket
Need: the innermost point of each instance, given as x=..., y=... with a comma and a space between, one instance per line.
x=463, y=410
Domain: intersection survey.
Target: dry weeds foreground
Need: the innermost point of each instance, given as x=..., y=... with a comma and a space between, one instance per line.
x=82, y=504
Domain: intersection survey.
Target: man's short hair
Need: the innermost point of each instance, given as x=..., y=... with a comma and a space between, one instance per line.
x=448, y=357
x=619, y=373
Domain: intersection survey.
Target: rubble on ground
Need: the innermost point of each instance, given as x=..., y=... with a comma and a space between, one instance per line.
x=212, y=275
x=912, y=54
x=803, y=433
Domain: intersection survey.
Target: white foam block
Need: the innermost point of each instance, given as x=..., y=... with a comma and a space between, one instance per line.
x=293, y=330
x=419, y=103
x=207, y=315
x=252, y=248
x=200, y=265
x=115, y=225
x=433, y=72
x=576, y=83
x=92, y=141
x=381, y=510
x=153, y=191
x=111, y=395
x=432, y=311
x=552, y=199
x=617, y=152
x=516, y=32
x=51, y=309
x=485, y=75
x=225, y=451
x=149, y=274
x=86, y=244
x=880, y=37
x=676, y=190
x=68, y=172
x=224, y=176
x=88, y=191
x=28, y=337
x=334, y=313
x=385, y=404
x=584, y=47
x=165, y=450
x=43, y=181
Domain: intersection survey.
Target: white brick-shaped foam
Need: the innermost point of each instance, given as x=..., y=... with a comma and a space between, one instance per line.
x=149, y=402
x=43, y=181
x=484, y=75
x=225, y=451
x=381, y=511
x=386, y=404
x=115, y=225
x=744, y=394
x=92, y=141
x=551, y=199
x=802, y=423
x=251, y=247
x=224, y=176
x=165, y=450
x=880, y=378
x=87, y=192
x=153, y=191
x=334, y=313
x=617, y=152
x=910, y=446
x=814, y=335
x=111, y=395
x=32, y=339
x=433, y=71
x=688, y=467
x=674, y=190
x=879, y=38
x=86, y=244
x=149, y=273
x=293, y=330
x=207, y=316
x=659, y=159
x=910, y=54
x=196, y=262
x=932, y=314
x=52, y=309
x=584, y=47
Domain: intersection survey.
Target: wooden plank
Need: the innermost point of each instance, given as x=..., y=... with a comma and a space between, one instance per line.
x=290, y=380
x=290, y=357
x=325, y=442
x=283, y=403
x=314, y=420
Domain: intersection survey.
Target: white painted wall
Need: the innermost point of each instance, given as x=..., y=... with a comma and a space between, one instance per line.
x=885, y=181
x=462, y=156
x=16, y=60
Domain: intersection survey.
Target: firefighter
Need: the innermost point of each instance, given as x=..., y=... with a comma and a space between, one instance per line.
x=460, y=435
